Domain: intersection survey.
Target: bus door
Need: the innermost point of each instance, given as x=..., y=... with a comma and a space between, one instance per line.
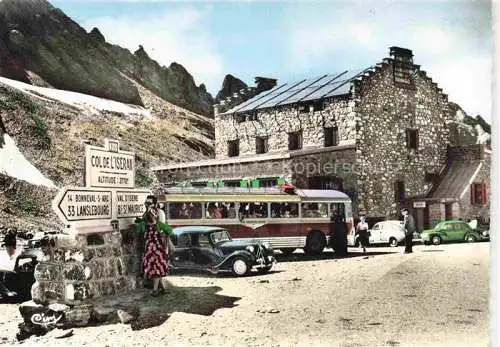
x=284, y=226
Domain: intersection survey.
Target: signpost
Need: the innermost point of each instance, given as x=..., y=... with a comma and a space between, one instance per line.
x=77, y=204
x=131, y=203
x=109, y=198
x=109, y=167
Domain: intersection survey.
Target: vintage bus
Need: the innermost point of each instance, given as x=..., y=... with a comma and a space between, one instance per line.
x=285, y=219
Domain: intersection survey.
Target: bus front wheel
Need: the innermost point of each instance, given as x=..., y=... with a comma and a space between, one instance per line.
x=315, y=243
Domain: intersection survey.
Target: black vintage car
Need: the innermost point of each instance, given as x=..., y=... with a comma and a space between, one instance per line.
x=211, y=248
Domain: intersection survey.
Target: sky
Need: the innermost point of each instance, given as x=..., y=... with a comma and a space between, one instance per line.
x=290, y=40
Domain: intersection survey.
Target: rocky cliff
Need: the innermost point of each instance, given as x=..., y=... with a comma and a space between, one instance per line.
x=230, y=85
x=466, y=130
x=39, y=44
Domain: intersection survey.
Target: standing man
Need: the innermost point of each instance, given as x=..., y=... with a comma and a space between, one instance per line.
x=409, y=225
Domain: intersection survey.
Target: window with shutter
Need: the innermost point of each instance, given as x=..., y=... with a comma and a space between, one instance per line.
x=484, y=197
x=478, y=193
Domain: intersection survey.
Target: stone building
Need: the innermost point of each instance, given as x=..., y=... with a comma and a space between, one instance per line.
x=379, y=134
x=462, y=190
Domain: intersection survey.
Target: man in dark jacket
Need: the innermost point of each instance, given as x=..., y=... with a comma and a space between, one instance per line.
x=338, y=232
x=409, y=225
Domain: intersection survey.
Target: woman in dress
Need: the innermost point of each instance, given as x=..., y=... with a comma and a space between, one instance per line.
x=155, y=260
x=362, y=231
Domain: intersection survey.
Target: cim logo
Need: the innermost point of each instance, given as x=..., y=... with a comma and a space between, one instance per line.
x=43, y=319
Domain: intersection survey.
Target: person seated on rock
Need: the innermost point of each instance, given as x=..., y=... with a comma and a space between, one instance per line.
x=10, y=243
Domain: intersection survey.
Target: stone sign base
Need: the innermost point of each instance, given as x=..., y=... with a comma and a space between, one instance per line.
x=74, y=273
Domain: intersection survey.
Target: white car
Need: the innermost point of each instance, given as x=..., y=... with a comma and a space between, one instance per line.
x=391, y=232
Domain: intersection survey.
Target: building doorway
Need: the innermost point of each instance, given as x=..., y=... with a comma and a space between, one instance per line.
x=448, y=214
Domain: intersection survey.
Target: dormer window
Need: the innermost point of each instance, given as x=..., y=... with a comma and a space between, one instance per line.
x=251, y=116
x=318, y=105
x=305, y=108
x=239, y=118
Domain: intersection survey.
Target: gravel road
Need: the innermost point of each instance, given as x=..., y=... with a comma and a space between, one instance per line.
x=437, y=296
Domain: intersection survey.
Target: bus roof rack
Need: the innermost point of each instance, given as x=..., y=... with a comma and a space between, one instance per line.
x=304, y=193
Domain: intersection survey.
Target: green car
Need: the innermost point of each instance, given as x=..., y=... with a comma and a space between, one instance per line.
x=450, y=231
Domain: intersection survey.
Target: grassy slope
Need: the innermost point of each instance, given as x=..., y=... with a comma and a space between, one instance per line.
x=51, y=134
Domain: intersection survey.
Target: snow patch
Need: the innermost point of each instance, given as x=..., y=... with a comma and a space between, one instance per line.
x=14, y=164
x=82, y=101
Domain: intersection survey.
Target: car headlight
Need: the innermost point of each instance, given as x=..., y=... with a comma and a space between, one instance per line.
x=250, y=249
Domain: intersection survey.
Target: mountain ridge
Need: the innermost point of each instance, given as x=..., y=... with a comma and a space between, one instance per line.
x=38, y=38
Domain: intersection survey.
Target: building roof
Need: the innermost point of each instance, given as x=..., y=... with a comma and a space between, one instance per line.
x=308, y=89
x=456, y=179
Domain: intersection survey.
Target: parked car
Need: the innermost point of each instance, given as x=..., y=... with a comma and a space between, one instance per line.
x=390, y=232
x=211, y=248
x=450, y=231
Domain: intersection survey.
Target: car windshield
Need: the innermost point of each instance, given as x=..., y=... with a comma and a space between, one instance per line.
x=220, y=236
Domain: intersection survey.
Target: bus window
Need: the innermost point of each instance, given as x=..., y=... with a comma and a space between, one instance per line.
x=284, y=210
x=183, y=210
x=314, y=210
x=253, y=210
x=220, y=210
x=338, y=209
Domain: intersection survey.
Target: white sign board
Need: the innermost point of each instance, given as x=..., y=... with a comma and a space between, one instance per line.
x=419, y=204
x=80, y=204
x=130, y=203
x=108, y=167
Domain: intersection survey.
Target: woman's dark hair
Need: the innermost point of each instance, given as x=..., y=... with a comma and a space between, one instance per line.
x=152, y=197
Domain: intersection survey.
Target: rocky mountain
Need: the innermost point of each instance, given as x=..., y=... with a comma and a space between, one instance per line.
x=40, y=45
x=230, y=85
x=42, y=136
x=465, y=130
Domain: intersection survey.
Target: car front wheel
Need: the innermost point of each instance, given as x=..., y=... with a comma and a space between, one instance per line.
x=470, y=238
x=436, y=240
x=240, y=266
x=393, y=242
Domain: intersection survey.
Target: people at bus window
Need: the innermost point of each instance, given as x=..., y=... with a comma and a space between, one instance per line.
x=314, y=210
x=284, y=210
x=220, y=210
x=183, y=210
x=194, y=210
x=338, y=209
x=253, y=210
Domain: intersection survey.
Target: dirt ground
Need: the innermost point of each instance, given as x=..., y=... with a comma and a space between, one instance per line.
x=437, y=296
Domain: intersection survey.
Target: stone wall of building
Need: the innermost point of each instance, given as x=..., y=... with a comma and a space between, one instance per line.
x=474, y=211
x=383, y=113
x=276, y=123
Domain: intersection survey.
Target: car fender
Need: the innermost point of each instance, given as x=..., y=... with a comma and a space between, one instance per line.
x=229, y=258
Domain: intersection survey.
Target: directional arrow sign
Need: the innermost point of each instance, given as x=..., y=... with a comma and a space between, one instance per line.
x=130, y=203
x=80, y=204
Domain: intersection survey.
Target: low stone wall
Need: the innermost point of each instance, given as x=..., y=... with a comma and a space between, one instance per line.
x=75, y=271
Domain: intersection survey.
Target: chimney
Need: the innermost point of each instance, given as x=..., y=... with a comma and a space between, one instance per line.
x=401, y=54
x=264, y=83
